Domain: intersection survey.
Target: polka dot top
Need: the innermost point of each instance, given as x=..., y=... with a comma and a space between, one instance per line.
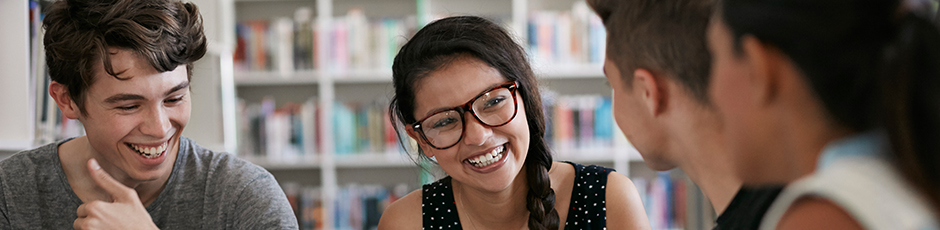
x=588, y=208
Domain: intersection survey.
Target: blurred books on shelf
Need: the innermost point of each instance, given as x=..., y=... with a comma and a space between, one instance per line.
x=290, y=132
x=284, y=45
x=564, y=37
x=579, y=126
x=50, y=124
x=581, y=122
x=356, y=206
x=287, y=133
x=664, y=199
x=363, y=128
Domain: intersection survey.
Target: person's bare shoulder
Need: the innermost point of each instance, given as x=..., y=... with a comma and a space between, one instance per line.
x=816, y=213
x=624, y=207
x=405, y=213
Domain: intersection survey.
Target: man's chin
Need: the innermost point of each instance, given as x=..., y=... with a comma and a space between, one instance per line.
x=658, y=164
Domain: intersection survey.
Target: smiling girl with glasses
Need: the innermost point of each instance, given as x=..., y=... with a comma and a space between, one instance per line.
x=465, y=91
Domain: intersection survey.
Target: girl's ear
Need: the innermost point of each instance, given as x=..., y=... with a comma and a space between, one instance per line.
x=415, y=135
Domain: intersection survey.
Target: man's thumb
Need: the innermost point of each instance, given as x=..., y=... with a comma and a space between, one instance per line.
x=118, y=191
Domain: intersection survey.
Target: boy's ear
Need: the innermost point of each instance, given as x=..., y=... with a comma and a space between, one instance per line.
x=60, y=94
x=417, y=137
x=648, y=88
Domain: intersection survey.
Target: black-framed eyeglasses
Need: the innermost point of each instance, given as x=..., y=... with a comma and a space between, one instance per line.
x=492, y=108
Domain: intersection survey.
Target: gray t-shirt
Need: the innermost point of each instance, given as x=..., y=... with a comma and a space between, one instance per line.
x=206, y=190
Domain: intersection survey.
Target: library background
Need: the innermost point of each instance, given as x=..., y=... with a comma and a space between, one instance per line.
x=301, y=87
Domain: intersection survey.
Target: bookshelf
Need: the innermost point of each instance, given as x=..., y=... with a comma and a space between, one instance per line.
x=330, y=82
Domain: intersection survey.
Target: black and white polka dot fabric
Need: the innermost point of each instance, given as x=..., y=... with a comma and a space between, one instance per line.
x=588, y=208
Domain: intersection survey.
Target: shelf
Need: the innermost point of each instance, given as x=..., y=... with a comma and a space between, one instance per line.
x=309, y=77
x=400, y=160
x=304, y=162
x=569, y=71
x=262, y=78
x=373, y=160
x=364, y=76
x=595, y=155
x=270, y=0
x=362, y=160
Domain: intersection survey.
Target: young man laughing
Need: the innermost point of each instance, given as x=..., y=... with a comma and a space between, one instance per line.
x=123, y=69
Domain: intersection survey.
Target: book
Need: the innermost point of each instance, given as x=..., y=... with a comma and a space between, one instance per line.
x=283, y=45
x=285, y=133
x=564, y=37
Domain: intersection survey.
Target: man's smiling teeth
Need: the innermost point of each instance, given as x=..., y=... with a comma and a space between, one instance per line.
x=149, y=152
x=489, y=158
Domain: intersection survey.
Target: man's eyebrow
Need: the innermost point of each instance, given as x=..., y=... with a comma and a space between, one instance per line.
x=131, y=97
x=123, y=97
x=182, y=85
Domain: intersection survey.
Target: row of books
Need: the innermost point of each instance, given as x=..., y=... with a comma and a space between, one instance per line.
x=284, y=133
x=575, y=36
x=578, y=122
x=290, y=131
x=286, y=45
x=50, y=125
x=364, y=128
x=355, y=207
x=664, y=199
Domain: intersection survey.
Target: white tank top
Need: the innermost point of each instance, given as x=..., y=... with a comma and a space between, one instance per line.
x=853, y=174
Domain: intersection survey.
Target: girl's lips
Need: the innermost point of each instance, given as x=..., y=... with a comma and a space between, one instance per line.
x=495, y=165
x=486, y=152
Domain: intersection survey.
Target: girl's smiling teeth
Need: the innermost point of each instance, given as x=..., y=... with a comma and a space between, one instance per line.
x=488, y=158
x=148, y=152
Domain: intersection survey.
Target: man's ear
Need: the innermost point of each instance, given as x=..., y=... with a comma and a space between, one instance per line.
x=650, y=91
x=60, y=94
x=764, y=61
x=415, y=135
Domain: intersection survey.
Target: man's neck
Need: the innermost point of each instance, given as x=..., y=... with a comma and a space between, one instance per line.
x=702, y=156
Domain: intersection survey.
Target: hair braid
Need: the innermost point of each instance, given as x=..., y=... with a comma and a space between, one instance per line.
x=541, y=198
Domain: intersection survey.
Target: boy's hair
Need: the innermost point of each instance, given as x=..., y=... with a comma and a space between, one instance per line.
x=79, y=34
x=663, y=36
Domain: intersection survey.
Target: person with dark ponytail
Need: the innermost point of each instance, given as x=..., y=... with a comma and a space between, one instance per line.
x=465, y=91
x=841, y=100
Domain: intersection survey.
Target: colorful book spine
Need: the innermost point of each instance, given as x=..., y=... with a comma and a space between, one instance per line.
x=664, y=199
x=561, y=37
x=278, y=134
x=578, y=122
x=283, y=45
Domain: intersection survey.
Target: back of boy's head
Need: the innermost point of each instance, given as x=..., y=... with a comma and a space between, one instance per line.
x=666, y=37
x=79, y=33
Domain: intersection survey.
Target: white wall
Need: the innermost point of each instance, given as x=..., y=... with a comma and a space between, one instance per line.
x=15, y=107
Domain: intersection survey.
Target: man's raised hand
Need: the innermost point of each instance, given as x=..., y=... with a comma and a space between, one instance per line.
x=123, y=211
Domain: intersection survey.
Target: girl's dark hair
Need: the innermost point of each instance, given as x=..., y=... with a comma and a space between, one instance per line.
x=873, y=66
x=442, y=42
x=166, y=33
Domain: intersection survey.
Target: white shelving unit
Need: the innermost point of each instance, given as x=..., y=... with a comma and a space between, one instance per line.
x=363, y=84
x=17, y=126
x=217, y=85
